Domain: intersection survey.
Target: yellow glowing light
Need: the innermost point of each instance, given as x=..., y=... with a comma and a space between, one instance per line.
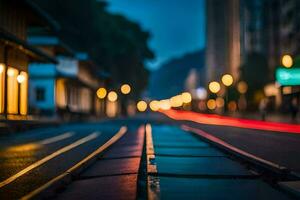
x=211, y=104
x=287, y=61
x=23, y=80
x=186, y=97
x=2, y=87
x=214, y=87
x=11, y=71
x=141, y=106
x=165, y=104
x=20, y=78
x=125, y=89
x=112, y=96
x=12, y=91
x=154, y=105
x=2, y=67
x=61, y=93
x=220, y=102
x=227, y=80
x=101, y=93
x=242, y=87
x=176, y=101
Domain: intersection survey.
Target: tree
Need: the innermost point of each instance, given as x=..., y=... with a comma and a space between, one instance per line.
x=114, y=43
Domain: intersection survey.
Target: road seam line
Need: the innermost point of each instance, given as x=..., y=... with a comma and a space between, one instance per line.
x=76, y=168
x=49, y=157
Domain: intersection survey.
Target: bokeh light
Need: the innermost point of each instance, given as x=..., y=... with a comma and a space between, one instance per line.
x=101, y=93
x=214, y=87
x=112, y=96
x=227, y=80
x=220, y=102
x=141, y=106
x=287, y=61
x=154, y=105
x=211, y=104
x=176, y=101
x=125, y=89
x=186, y=97
x=164, y=104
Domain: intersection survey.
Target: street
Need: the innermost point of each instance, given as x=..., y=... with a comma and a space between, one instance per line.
x=30, y=160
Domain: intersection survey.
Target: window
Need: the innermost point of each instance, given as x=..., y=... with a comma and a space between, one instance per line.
x=40, y=94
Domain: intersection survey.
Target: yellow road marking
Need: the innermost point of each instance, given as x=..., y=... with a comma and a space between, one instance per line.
x=49, y=157
x=56, y=138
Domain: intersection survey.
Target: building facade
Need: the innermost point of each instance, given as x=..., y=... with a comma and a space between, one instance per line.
x=65, y=89
x=223, y=38
x=15, y=54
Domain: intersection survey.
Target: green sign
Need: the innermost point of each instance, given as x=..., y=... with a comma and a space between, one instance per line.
x=288, y=76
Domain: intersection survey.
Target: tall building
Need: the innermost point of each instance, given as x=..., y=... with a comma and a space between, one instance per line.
x=223, y=38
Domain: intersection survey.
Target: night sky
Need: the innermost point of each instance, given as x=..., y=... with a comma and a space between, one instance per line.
x=177, y=26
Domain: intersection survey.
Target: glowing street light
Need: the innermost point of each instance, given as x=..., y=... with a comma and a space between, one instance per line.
x=287, y=61
x=227, y=79
x=112, y=96
x=154, y=105
x=186, y=97
x=101, y=93
x=125, y=89
x=141, y=106
x=214, y=87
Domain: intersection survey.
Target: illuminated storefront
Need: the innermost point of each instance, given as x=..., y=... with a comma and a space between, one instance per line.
x=13, y=91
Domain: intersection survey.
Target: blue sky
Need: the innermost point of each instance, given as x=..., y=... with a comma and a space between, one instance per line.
x=177, y=26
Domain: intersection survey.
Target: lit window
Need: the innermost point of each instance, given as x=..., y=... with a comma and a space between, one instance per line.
x=22, y=78
x=12, y=91
x=2, y=87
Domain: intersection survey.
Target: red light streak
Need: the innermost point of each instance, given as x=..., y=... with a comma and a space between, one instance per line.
x=213, y=119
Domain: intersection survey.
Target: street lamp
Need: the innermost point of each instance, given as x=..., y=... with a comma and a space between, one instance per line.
x=214, y=87
x=227, y=80
x=287, y=61
x=125, y=89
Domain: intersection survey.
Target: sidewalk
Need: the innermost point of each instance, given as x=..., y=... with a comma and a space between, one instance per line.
x=114, y=175
x=181, y=166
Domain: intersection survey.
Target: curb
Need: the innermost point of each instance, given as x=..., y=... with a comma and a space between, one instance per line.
x=250, y=158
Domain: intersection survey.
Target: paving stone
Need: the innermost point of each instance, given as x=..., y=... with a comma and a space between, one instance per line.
x=214, y=189
x=112, y=187
x=123, y=152
x=199, y=166
x=173, y=151
x=113, y=167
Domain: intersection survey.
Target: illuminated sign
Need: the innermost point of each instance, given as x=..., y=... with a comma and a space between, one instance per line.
x=288, y=76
